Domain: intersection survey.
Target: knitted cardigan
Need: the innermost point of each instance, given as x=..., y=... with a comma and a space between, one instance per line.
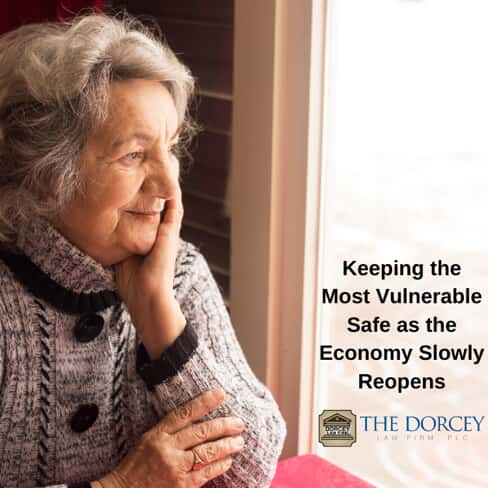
x=77, y=388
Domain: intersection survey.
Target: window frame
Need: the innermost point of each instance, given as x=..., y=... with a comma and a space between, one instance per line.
x=276, y=178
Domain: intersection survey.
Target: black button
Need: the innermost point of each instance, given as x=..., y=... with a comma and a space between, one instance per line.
x=84, y=418
x=88, y=327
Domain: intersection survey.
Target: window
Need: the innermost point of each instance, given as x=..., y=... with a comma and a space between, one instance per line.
x=406, y=178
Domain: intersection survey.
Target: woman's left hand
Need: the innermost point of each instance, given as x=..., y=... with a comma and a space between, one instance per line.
x=145, y=284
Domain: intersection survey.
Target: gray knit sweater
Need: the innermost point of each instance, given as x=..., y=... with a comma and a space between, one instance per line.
x=77, y=388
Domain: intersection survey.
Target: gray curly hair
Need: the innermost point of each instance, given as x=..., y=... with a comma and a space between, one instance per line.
x=54, y=87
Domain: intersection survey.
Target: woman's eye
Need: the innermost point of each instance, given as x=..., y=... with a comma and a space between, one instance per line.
x=134, y=156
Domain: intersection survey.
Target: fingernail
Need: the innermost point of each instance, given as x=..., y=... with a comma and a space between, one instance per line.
x=237, y=422
x=217, y=393
x=238, y=441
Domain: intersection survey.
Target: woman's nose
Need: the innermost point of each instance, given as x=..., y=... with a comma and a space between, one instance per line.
x=162, y=180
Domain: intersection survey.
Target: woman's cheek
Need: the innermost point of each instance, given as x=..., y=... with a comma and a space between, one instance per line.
x=121, y=189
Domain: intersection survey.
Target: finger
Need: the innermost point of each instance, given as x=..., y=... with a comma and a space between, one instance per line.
x=200, y=477
x=174, y=210
x=185, y=414
x=164, y=251
x=170, y=226
x=213, y=451
x=197, y=433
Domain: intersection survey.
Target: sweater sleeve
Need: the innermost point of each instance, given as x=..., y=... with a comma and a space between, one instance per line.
x=207, y=355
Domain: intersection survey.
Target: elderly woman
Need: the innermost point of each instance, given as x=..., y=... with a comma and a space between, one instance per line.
x=119, y=367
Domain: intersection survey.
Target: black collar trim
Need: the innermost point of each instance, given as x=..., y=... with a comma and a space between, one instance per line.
x=42, y=286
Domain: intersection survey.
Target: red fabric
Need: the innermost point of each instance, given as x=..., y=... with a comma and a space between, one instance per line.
x=311, y=471
x=15, y=13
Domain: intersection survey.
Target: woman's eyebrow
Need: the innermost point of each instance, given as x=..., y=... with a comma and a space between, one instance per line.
x=142, y=136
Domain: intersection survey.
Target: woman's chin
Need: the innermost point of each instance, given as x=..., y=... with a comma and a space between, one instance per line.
x=143, y=243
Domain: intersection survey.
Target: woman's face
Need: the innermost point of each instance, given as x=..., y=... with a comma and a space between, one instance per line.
x=129, y=168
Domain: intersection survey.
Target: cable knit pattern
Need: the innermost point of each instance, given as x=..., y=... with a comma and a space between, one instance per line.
x=77, y=392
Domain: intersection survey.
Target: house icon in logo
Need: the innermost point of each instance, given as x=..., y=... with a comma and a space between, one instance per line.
x=337, y=428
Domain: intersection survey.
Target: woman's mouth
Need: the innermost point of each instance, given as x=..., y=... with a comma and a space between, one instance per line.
x=147, y=216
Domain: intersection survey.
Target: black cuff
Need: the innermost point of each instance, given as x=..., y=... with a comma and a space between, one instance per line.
x=80, y=485
x=171, y=360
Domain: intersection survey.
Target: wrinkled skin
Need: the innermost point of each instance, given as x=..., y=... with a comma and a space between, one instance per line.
x=163, y=458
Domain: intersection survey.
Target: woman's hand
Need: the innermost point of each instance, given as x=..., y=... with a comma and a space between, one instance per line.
x=152, y=274
x=163, y=457
x=145, y=284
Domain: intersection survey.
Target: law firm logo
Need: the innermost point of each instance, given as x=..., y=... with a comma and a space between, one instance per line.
x=337, y=428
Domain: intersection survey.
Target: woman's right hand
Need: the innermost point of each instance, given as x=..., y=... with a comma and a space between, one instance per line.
x=163, y=456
